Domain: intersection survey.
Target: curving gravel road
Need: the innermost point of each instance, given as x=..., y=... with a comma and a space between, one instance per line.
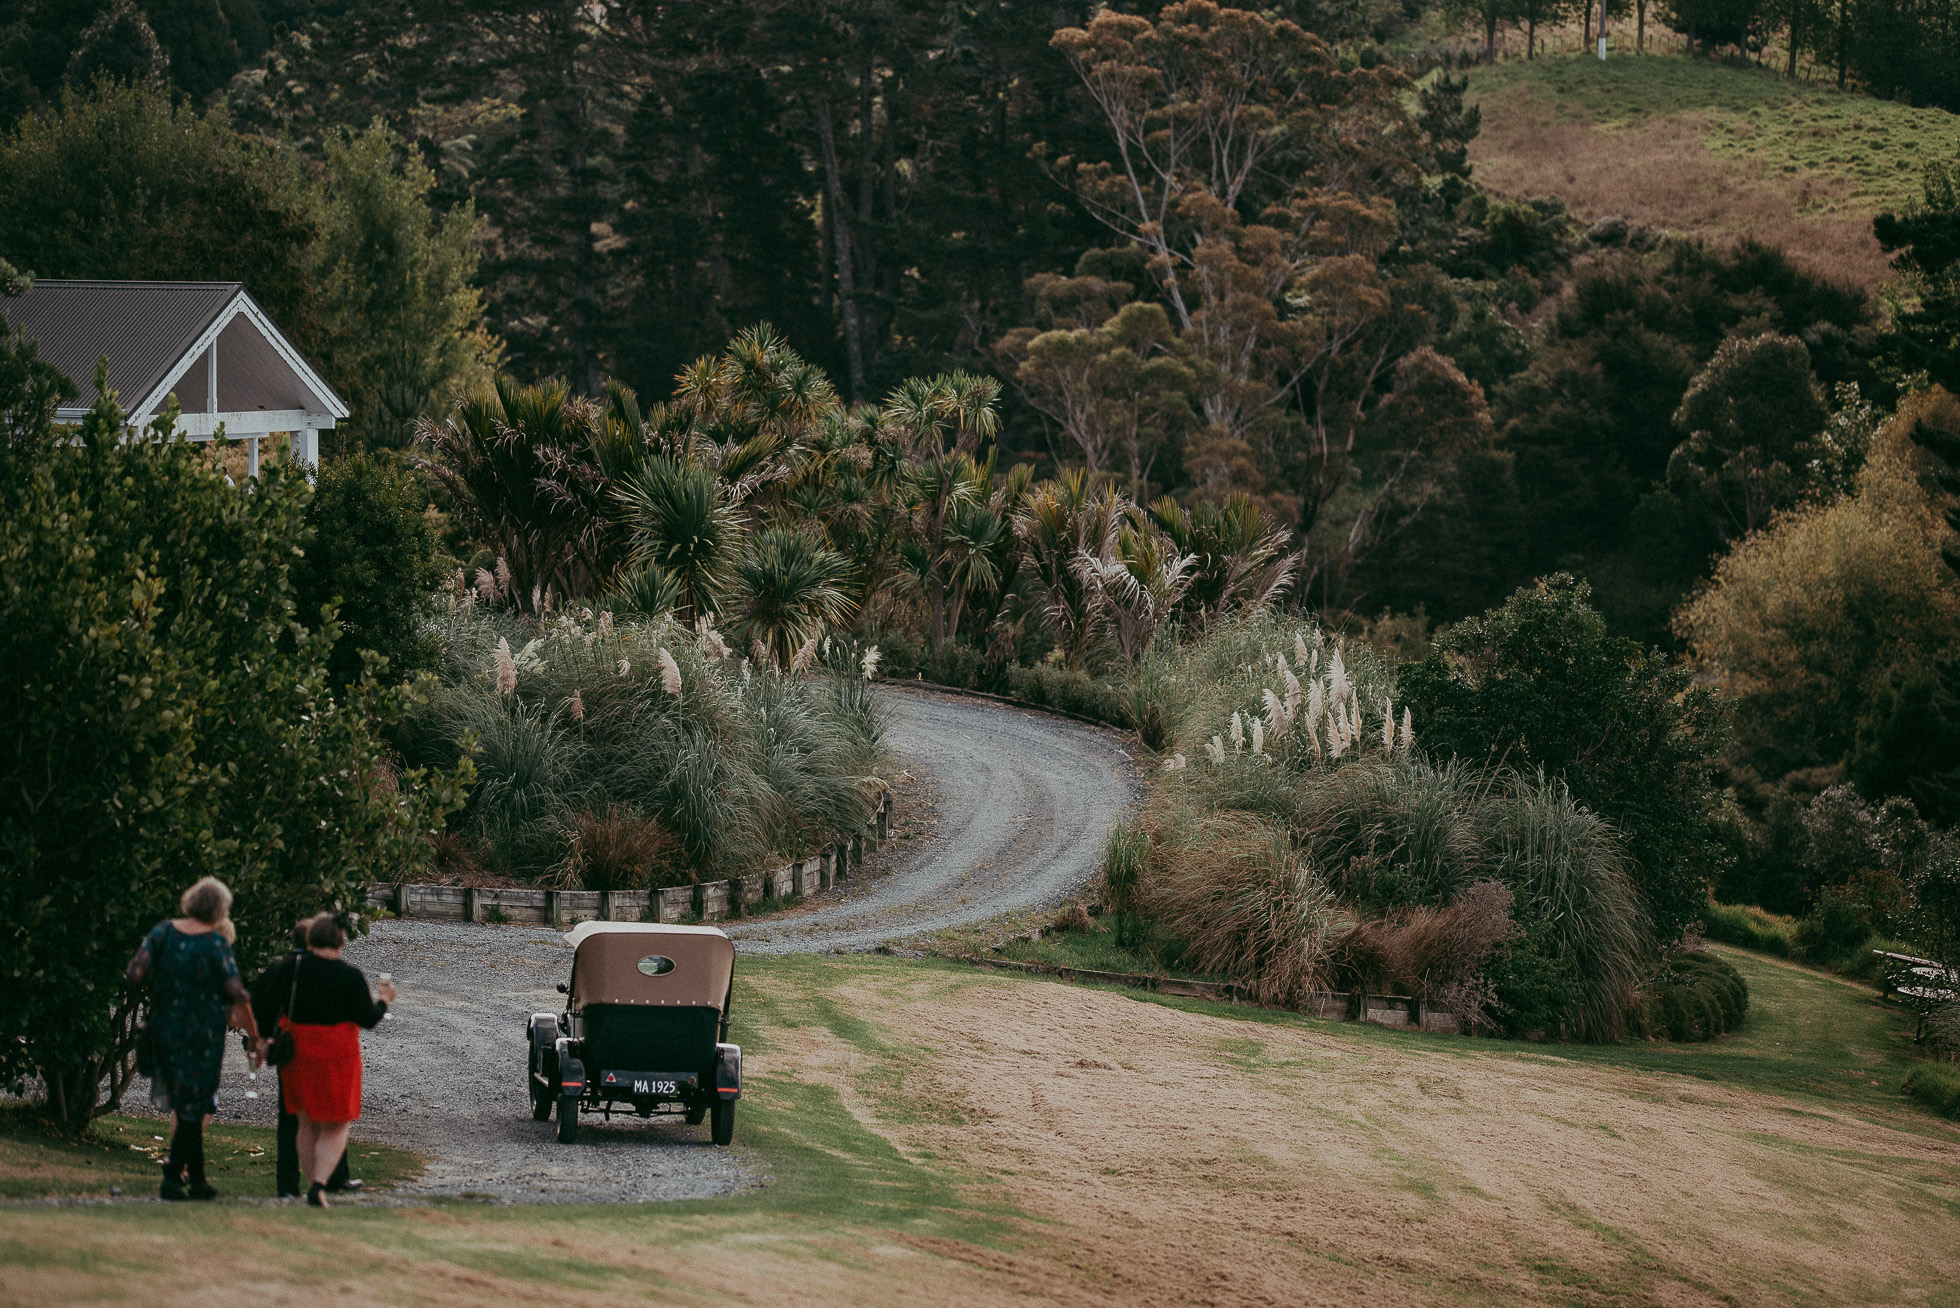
x=1025, y=801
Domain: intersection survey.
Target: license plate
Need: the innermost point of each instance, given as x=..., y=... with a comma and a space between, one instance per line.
x=654, y=1086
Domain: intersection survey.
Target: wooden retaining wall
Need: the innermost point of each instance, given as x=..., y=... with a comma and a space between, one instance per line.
x=710, y=901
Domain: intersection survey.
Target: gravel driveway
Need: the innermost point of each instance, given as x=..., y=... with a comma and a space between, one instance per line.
x=1025, y=801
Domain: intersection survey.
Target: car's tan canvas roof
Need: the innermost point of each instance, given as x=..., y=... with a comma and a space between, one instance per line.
x=606, y=966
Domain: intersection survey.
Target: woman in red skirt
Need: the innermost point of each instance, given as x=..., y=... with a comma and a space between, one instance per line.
x=323, y=1082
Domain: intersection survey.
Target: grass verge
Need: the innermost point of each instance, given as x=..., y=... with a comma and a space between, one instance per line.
x=128, y=1152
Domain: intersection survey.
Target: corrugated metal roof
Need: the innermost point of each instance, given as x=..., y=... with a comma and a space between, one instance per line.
x=144, y=327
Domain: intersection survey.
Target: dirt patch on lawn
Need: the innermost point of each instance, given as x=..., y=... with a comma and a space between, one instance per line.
x=1170, y=1156
x=1661, y=173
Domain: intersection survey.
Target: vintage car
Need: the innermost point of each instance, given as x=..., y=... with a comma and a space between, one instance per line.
x=645, y=1027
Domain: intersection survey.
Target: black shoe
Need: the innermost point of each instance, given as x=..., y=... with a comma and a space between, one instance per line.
x=353, y=1185
x=316, y=1197
x=173, y=1189
x=201, y=1191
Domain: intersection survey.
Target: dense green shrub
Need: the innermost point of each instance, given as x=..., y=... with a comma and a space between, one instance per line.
x=1072, y=691
x=1749, y=927
x=1697, y=996
x=373, y=554
x=1540, y=684
x=1837, y=928
x=589, y=732
x=1935, y=1086
x=1124, y=857
x=166, y=719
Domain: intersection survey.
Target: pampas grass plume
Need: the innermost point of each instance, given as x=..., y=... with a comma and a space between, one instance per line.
x=506, y=668
x=670, y=673
x=870, y=664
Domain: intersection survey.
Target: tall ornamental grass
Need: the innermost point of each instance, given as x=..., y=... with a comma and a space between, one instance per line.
x=1299, y=838
x=636, y=751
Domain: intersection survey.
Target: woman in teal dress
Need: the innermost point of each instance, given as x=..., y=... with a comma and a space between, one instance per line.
x=195, y=993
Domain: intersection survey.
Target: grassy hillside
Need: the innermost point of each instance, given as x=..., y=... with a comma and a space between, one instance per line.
x=1707, y=149
x=931, y=1133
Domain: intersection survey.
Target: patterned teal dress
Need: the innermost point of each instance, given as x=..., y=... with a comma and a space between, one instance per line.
x=193, y=984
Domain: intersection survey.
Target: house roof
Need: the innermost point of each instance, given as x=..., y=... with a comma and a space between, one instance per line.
x=153, y=334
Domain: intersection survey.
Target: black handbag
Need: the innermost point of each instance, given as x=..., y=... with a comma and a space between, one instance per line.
x=281, y=1051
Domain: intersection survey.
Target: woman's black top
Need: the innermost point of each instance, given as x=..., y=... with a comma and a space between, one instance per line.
x=330, y=991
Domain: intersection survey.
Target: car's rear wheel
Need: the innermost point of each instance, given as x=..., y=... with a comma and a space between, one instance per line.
x=695, y=1113
x=722, y=1128
x=567, y=1119
x=540, y=1093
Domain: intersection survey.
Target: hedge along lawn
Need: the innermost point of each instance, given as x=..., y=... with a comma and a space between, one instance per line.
x=1809, y=1035
x=1707, y=149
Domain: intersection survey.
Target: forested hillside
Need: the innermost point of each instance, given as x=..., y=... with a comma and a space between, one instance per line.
x=1299, y=293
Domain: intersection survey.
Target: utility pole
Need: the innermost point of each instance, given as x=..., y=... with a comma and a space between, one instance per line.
x=1602, y=31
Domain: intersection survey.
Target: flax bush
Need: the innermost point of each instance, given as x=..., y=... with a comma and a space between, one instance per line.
x=585, y=728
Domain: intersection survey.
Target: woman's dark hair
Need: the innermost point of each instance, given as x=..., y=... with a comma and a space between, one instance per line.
x=325, y=932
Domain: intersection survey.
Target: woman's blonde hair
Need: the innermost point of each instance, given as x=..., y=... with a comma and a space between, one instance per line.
x=209, y=901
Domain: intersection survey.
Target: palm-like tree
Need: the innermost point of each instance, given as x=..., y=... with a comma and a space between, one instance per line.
x=1063, y=521
x=789, y=587
x=530, y=471
x=683, y=524
x=1138, y=584
x=1239, y=555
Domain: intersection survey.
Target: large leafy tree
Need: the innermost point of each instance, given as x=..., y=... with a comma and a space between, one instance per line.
x=170, y=716
x=1539, y=684
x=372, y=557
x=1924, y=240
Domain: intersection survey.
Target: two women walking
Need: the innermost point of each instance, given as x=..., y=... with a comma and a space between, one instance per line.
x=195, y=993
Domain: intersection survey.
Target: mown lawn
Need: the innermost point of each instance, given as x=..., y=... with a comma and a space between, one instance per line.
x=1754, y=114
x=898, y=1161
x=1709, y=151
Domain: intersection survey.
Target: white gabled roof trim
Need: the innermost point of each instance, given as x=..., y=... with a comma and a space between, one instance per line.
x=334, y=407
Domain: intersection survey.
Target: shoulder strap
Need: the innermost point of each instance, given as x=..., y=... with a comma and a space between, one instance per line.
x=293, y=996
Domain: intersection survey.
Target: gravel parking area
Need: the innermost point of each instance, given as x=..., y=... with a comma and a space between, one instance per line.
x=1024, y=802
x=445, y=1077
